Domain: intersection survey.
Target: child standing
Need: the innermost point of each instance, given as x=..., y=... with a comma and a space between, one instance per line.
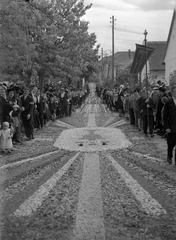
x=52, y=108
x=15, y=116
x=6, y=138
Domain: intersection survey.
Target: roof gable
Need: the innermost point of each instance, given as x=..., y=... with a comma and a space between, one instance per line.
x=121, y=58
x=156, y=59
x=170, y=31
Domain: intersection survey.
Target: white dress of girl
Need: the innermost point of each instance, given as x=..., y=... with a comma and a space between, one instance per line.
x=5, y=139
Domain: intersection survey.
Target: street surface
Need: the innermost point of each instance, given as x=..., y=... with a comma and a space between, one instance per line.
x=89, y=176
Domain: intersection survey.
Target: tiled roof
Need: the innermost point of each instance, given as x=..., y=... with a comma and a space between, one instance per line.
x=121, y=59
x=156, y=58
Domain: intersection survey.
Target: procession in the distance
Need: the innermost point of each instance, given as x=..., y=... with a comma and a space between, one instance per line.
x=87, y=134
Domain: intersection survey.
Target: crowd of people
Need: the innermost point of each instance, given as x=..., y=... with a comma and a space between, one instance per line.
x=152, y=111
x=23, y=109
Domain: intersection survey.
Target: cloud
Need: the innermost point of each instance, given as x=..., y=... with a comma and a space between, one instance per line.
x=109, y=6
x=152, y=5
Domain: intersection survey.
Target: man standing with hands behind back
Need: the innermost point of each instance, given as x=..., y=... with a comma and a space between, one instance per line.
x=169, y=117
x=27, y=111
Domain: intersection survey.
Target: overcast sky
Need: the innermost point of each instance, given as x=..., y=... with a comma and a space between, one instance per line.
x=132, y=18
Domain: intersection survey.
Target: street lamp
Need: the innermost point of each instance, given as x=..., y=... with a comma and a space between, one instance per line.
x=145, y=40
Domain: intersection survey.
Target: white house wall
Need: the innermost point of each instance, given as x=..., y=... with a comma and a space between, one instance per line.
x=170, y=59
x=160, y=74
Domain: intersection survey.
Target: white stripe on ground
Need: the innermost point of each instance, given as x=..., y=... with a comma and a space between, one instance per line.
x=28, y=160
x=117, y=123
x=89, y=218
x=62, y=125
x=149, y=204
x=31, y=204
x=108, y=122
x=146, y=156
x=58, y=122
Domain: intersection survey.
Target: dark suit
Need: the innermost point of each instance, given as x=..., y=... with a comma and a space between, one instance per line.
x=144, y=111
x=5, y=109
x=40, y=108
x=169, y=117
x=63, y=101
x=28, y=105
x=158, y=111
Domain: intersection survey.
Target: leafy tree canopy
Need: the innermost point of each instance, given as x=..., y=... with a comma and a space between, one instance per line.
x=41, y=39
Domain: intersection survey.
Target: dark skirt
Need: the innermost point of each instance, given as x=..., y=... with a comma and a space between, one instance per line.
x=36, y=119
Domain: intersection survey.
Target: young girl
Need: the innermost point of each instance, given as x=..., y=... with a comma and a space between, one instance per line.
x=15, y=117
x=52, y=108
x=6, y=138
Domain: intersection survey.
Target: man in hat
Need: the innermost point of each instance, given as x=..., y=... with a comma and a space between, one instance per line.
x=40, y=107
x=27, y=111
x=162, y=93
x=63, y=100
x=155, y=95
x=11, y=95
x=169, y=117
x=5, y=107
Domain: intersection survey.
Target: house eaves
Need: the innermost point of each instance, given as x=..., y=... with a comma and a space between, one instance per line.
x=169, y=36
x=142, y=55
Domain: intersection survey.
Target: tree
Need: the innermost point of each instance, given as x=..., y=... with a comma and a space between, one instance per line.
x=46, y=39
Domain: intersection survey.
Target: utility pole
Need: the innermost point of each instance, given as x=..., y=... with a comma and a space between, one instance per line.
x=102, y=65
x=112, y=21
x=147, y=95
x=145, y=40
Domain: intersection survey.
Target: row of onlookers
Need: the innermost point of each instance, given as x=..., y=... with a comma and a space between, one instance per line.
x=148, y=111
x=139, y=106
x=24, y=109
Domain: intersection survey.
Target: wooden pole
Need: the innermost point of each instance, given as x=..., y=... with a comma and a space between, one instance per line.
x=112, y=49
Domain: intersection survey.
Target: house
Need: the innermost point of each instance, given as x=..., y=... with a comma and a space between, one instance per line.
x=169, y=59
x=121, y=60
x=155, y=67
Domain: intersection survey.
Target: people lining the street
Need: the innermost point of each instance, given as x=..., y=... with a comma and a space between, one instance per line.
x=27, y=110
x=144, y=114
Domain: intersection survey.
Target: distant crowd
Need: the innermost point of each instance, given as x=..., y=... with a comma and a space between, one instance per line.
x=151, y=111
x=135, y=105
x=24, y=109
